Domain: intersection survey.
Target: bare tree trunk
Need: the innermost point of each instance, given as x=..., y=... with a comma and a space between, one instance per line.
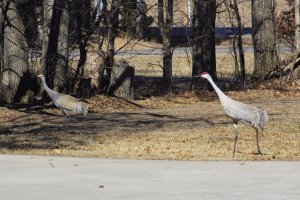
x=264, y=37
x=3, y=13
x=240, y=43
x=236, y=63
x=295, y=73
x=204, y=52
x=241, y=72
x=55, y=43
x=39, y=21
x=47, y=16
x=128, y=12
x=112, y=33
x=87, y=22
x=165, y=26
x=92, y=67
x=15, y=69
x=61, y=69
x=297, y=24
x=83, y=19
x=141, y=7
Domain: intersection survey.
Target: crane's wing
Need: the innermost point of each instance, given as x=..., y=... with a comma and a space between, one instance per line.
x=243, y=112
x=70, y=103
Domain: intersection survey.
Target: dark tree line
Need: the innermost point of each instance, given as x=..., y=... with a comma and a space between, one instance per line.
x=54, y=29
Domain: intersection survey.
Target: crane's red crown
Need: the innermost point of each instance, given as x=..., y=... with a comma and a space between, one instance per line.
x=203, y=73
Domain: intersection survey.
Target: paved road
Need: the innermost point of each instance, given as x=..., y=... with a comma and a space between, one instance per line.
x=184, y=51
x=177, y=51
x=36, y=178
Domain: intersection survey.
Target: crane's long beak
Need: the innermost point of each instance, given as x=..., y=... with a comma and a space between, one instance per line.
x=197, y=76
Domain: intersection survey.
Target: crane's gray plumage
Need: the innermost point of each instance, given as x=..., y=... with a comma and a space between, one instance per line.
x=237, y=111
x=65, y=102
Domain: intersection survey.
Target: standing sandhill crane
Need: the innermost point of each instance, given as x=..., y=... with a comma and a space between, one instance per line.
x=237, y=111
x=65, y=102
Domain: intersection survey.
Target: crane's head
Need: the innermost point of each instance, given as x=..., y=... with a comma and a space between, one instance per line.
x=203, y=75
x=40, y=76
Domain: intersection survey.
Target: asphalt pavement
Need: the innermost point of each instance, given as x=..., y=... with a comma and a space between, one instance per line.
x=65, y=178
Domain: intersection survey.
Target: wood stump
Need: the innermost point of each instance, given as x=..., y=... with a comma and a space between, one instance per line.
x=121, y=81
x=83, y=87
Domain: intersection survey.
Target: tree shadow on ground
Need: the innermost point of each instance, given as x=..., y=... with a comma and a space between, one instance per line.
x=43, y=131
x=38, y=129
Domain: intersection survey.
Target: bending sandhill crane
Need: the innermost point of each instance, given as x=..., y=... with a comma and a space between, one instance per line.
x=237, y=111
x=65, y=102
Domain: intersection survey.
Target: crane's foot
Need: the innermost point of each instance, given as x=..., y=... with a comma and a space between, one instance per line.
x=233, y=153
x=259, y=152
x=67, y=118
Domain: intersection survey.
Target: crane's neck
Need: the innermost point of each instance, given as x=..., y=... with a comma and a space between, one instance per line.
x=50, y=92
x=221, y=95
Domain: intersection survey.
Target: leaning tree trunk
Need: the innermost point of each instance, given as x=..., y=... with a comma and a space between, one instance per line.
x=15, y=69
x=264, y=37
x=291, y=70
x=204, y=52
x=165, y=26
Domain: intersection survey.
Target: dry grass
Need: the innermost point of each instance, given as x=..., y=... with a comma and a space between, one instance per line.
x=128, y=44
x=183, y=127
x=182, y=65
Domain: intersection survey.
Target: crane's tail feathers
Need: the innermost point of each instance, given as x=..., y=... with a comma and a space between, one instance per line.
x=85, y=108
x=263, y=118
x=83, y=100
x=79, y=107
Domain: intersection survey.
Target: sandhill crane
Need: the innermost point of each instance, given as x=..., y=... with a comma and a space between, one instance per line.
x=65, y=102
x=237, y=111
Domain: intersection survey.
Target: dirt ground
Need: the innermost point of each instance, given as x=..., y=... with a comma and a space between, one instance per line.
x=181, y=127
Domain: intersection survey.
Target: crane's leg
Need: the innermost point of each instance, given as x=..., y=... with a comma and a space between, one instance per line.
x=235, y=137
x=66, y=113
x=258, y=149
